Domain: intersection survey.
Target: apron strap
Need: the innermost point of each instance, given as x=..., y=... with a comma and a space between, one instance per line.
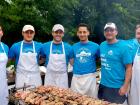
x=137, y=43
x=137, y=50
x=21, y=47
x=51, y=47
x=2, y=47
x=33, y=47
x=63, y=49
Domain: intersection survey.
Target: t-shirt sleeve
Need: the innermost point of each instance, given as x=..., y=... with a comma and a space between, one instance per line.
x=126, y=56
x=12, y=51
x=98, y=52
x=70, y=52
x=45, y=52
x=42, y=53
x=39, y=47
x=6, y=49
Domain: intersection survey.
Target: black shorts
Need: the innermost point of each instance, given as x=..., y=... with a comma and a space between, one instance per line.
x=111, y=95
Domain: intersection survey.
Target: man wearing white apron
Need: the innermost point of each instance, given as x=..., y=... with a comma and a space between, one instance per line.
x=3, y=80
x=57, y=54
x=27, y=70
x=134, y=98
x=116, y=67
x=85, y=54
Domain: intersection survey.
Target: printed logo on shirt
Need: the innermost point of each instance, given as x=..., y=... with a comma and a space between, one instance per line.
x=104, y=62
x=28, y=50
x=110, y=52
x=138, y=53
x=56, y=51
x=83, y=55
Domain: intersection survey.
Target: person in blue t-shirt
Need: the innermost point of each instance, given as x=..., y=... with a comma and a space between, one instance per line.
x=116, y=67
x=57, y=55
x=26, y=54
x=134, y=98
x=133, y=44
x=3, y=78
x=85, y=54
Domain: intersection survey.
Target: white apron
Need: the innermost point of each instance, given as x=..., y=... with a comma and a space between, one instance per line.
x=134, y=98
x=56, y=74
x=3, y=79
x=85, y=84
x=27, y=69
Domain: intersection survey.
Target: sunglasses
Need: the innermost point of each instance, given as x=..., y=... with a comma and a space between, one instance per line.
x=58, y=32
x=29, y=32
x=109, y=30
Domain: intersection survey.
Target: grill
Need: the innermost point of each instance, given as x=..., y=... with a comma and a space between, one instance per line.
x=51, y=95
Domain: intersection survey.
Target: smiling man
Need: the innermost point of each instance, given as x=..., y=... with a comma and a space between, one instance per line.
x=116, y=67
x=57, y=55
x=26, y=56
x=85, y=53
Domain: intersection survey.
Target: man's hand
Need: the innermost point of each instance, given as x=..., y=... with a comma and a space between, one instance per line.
x=123, y=90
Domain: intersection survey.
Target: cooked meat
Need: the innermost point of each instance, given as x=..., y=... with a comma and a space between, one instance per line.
x=52, y=95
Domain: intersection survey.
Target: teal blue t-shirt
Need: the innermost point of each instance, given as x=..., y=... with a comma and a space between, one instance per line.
x=114, y=58
x=56, y=49
x=14, y=51
x=85, y=55
x=133, y=44
x=6, y=48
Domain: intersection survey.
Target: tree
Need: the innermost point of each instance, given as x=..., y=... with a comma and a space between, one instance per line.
x=43, y=14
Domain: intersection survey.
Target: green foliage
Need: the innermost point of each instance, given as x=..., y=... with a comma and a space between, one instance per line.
x=43, y=14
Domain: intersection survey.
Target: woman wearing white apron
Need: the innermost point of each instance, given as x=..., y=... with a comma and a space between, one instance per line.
x=84, y=68
x=25, y=54
x=3, y=79
x=134, y=97
x=57, y=56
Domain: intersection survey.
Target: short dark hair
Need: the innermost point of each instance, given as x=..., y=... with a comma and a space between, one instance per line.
x=83, y=25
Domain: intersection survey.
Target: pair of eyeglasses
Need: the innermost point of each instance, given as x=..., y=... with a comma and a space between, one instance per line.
x=59, y=32
x=109, y=30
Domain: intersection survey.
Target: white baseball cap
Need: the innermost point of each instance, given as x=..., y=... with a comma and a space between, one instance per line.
x=111, y=25
x=28, y=27
x=57, y=27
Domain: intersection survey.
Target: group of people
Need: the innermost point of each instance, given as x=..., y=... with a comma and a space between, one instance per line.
x=119, y=59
